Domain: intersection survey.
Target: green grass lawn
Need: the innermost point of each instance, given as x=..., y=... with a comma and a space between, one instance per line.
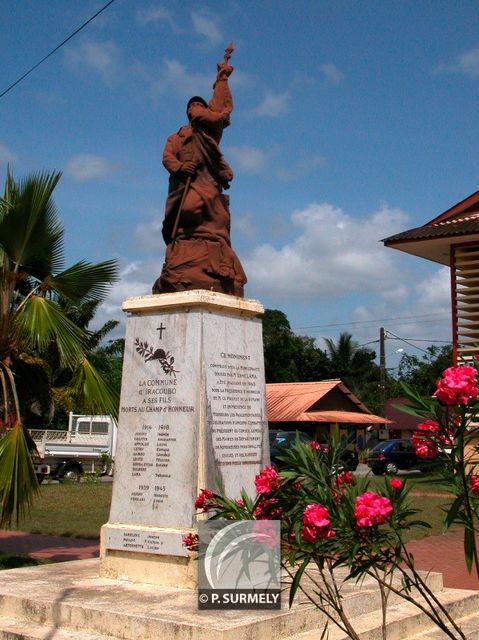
x=416, y=482
x=79, y=510
x=69, y=509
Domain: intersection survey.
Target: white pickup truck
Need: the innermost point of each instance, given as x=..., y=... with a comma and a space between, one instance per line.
x=88, y=446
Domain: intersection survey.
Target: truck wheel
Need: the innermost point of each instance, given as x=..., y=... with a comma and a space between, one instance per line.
x=72, y=474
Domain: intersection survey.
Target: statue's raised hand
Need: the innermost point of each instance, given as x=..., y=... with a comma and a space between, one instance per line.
x=224, y=69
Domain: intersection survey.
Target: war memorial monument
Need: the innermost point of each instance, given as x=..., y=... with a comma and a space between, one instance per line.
x=192, y=408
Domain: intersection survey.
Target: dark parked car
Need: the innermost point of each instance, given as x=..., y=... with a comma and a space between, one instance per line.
x=391, y=456
x=279, y=440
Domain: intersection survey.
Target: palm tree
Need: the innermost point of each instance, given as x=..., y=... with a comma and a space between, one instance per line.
x=351, y=362
x=32, y=321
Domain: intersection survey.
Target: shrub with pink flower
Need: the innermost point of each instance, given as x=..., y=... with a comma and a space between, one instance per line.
x=429, y=426
x=317, y=523
x=267, y=481
x=457, y=386
x=424, y=447
x=345, y=477
x=191, y=541
x=316, y=515
x=267, y=509
x=395, y=483
x=205, y=500
x=371, y=509
x=474, y=484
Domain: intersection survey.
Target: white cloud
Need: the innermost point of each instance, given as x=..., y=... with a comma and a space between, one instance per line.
x=6, y=155
x=332, y=73
x=272, y=105
x=157, y=13
x=245, y=225
x=467, y=63
x=206, y=25
x=101, y=57
x=434, y=292
x=300, y=168
x=174, y=78
x=86, y=166
x=247, y=158
x=330, y=254
x=148, y=234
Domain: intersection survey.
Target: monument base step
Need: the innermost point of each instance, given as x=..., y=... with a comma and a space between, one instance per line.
x=13, y=629
x=406, y=622
x=70, y=601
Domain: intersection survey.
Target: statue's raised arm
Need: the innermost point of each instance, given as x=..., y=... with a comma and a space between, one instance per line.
x=196, y=227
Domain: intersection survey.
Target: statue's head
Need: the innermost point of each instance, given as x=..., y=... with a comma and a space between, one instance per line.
x=194, y=99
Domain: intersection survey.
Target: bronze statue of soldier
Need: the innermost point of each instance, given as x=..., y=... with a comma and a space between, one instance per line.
x=196, y=227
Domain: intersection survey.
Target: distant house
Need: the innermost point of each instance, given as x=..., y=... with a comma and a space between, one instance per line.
x=320, y=408
x=403, y=424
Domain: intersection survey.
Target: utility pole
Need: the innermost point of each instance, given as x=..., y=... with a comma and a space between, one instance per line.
x=382, y=372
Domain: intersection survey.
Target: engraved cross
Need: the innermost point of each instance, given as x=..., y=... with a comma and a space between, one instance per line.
x=161, y=328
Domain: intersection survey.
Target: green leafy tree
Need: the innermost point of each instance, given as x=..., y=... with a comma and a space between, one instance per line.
x=352, y=363
x=33, y=281
x=288, y=357
x=423, y=373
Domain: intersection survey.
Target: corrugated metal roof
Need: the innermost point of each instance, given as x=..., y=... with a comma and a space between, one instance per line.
x=291, y=401
x=447, y=228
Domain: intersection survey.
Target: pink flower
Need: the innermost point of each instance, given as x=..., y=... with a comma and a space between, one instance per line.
x=316, y=515
x=345, y=477
x=431, y=426
x=240, y=502
x=317, y=446
x=204, y=500
x=267, y=481
x=310, y=534
x=266, y=509
x=265, y=533
x=424, y=447
x=395, y=483
x=371, y=509
x=457, y=386
x=327, y=533
x=316, y=523
x=474, y=482
x=191, y=541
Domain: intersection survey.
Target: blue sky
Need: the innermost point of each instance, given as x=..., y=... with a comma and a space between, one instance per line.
x=352, y=121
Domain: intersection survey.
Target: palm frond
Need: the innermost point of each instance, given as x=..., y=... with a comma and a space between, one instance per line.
x=85, y=282
x=18, y=482
x=93, y=392
x=39, y=322
x=30, y=231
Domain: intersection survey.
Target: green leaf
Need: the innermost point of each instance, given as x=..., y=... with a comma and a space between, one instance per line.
x=96, y=396
x=469, y=544
x=296, y=581
x=40, y=321
x=18, y=481
x=85, y=282
x=30, y=232
x=453, y=510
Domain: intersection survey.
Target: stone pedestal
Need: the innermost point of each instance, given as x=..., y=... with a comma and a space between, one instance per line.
x=192, y=411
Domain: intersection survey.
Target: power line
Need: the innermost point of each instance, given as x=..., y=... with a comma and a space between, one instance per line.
x=347, y=324
x=406, y=342
x=35, y=66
